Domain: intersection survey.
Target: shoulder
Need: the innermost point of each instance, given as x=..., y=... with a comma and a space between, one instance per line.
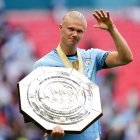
x=49, y=59
x=91, y=52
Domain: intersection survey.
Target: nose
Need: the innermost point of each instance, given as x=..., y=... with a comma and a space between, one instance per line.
x=75, y=33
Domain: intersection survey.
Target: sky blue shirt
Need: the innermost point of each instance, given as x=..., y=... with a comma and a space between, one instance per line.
x=93, y=60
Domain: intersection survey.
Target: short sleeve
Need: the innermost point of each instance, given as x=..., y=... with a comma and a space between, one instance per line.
x=100, y=58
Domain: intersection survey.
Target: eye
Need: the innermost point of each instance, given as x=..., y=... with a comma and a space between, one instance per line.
x=71, y=29
x=80, y=31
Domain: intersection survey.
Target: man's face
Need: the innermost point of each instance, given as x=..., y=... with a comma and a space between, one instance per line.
x=72, y=31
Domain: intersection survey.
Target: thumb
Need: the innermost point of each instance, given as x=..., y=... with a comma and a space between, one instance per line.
x=96, y=26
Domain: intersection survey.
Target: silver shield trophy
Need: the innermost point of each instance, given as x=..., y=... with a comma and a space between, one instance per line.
x=51, y=96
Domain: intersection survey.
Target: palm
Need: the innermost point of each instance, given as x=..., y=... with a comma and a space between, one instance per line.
x=102, y=25
x=103, y=19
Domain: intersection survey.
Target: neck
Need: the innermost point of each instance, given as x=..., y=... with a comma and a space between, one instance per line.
x=68, y=50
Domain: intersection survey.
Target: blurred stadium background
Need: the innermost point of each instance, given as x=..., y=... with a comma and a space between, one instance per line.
x=29, y=29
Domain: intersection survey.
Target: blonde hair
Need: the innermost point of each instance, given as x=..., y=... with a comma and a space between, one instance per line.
x=75, y=14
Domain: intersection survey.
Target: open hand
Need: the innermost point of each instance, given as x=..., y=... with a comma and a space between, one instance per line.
x=103, y=19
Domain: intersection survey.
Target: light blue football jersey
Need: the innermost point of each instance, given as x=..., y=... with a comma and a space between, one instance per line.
x=93, y=60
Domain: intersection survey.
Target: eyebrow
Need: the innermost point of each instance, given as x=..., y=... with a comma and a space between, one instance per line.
x=78, y=30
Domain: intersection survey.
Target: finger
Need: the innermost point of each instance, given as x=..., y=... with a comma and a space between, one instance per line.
x=103, y=14
x=96, y=17
x=46, y=135
x=98, y=13
x=54, y=134
x=62, y=132
x=108, y=15
x=57, y=132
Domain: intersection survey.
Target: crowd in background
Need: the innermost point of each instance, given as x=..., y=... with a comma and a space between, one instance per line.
x=118, y=123
x=17, y=56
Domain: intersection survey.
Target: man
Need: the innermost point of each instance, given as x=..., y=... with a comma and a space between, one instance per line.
x=67, y=54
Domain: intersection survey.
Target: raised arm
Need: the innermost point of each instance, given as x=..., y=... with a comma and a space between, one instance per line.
x=123, y=55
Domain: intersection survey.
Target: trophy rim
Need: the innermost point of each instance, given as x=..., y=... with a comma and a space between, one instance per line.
x=68, y=127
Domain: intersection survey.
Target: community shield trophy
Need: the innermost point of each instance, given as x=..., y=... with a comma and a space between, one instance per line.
x=51, y=96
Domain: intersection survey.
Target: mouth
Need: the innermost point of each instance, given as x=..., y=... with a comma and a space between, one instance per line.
x=73, y=40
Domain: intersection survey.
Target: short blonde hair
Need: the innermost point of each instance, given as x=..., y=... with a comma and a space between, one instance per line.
x=75, y=14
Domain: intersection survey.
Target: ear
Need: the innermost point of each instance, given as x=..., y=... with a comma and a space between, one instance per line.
x=60, y=26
